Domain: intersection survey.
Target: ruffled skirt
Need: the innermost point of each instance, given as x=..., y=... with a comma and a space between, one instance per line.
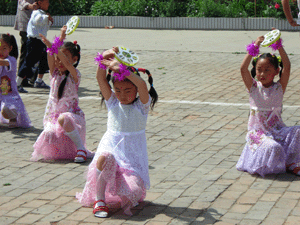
x=53, y=144
x=125, y=171
x=15, y=103
x=273, y=154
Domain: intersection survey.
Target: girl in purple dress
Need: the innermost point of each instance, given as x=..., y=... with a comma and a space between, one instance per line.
x=64, y=122
x=13, y=112
x=271, y=146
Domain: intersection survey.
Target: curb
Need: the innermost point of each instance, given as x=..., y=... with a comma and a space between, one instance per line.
x=176, y=23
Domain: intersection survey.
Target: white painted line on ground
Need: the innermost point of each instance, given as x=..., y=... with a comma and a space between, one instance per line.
x=168, y=101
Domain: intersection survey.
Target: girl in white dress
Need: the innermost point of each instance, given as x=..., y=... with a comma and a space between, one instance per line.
x=118, y=175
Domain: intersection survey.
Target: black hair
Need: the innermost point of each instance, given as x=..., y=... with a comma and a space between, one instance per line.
x=272, y=59
x=152, y=91
x=11, y=41
x=74, y=49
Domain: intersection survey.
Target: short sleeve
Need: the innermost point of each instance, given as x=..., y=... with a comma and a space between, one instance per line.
x=23, y=4
x=144, y=108
x=112, y=101
x=253, y=87
x=39, y=18
x=12, y=64
x=78, y=77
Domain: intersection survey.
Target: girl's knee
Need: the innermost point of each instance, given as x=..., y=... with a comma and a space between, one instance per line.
x=66, y=123
x=61, y=120
x=101, y=162
x=8, y=113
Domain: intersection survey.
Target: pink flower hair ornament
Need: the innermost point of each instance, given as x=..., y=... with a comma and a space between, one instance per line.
x=123, y=73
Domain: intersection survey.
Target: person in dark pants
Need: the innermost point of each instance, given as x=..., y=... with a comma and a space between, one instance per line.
x=39, y=22
x=24, y=10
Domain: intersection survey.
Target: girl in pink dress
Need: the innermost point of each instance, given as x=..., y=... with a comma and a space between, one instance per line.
x=271, y=146
x=13, y=112
x=118, y=175
x=64, y=122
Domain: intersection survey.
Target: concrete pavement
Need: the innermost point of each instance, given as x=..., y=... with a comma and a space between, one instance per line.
x=195, y=136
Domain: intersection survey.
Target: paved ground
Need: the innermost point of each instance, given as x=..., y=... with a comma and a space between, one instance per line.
x=195, y=136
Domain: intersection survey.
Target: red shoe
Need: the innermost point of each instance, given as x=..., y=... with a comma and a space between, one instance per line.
x=294, y=168
x=79, y=157
x=100, y=211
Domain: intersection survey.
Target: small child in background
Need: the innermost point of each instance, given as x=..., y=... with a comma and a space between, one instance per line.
x=12, y=109
x=39, y=23
x=64, y=131
x=118, y=175
x=271, y=146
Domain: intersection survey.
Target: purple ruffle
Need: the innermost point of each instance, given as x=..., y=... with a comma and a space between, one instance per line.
x=253, y=49
x=124, y=72
x=277, y=45
x=98, y=60
x=57, y=43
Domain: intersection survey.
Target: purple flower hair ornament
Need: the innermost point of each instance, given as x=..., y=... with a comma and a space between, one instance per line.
x=123, y=73
x=252, y=49
x=57, y=43
x=277, y=45
x=98, y=60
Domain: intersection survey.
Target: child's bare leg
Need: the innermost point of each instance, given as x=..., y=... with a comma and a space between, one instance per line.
x=73, y=133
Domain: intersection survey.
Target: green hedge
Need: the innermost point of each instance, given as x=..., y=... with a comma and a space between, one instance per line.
x=57, y=7
x=161, y=8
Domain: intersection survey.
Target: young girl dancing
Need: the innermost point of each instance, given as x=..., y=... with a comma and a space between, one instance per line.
x=118, y=174
x=271, y=146
x=13, y=111
x=64, y=122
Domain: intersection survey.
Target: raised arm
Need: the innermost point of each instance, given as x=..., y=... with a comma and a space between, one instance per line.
x=247, y=78
x=101, y=74
x=64, y=60
x=285, y=75
x=287, y=12
x=246, y=75
x=141, y=86
x=103, y=83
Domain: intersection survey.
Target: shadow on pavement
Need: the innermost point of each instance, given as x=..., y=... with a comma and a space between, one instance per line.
x=182, y=215
x=31, y=133
x=83, y=92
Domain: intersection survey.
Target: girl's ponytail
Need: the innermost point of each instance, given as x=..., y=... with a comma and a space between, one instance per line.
x=11, y=41
x=152, y=91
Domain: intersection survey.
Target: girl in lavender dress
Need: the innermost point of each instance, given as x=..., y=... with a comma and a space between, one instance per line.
x=13, y=112
x=118, y=175
x=64, y=122
x=271, y=146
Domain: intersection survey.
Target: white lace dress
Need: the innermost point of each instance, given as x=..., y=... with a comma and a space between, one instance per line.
x=127, y=174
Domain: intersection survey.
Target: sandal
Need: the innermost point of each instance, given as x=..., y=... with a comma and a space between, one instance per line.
x=80, y=158
x=100, y=211
x=294, y=168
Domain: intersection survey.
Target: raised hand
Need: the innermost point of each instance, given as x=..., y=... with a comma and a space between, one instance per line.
x=259, y=40
x=108, y=54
